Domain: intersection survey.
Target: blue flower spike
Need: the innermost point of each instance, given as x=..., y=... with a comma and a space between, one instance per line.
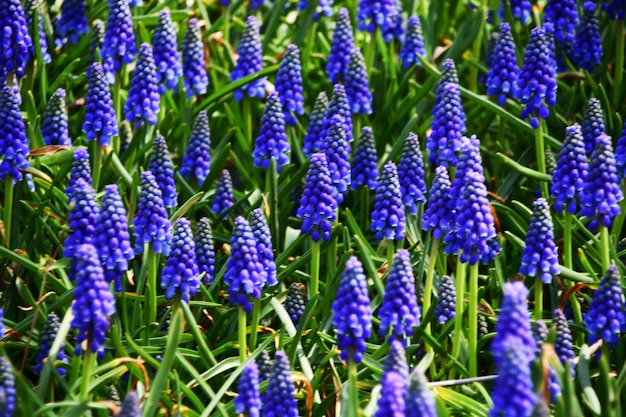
x=119, y=39
x=13, y=141
x=166, y=56
x=8, y=392
x=593, y=124
x=540, y=257
x=15, y=42
x=272, y=142
x=263, y=237
x=224, y=198
x=411, y=174
x=54, y=127
x=151, y=223
x=357, y=87
x=337, y=150
x=502, y=76
x=80, y=169
x=571, y=170
x=606, y=318
x=30, y=8
x=289, y=85
x=447, y=126
x=163, y=171
x=388, y=220
x=195, y=75
x=313, y=140
x=197, y=159
x=438, y=217
x=341, y=47
x=446, y=303
x=588, y=44
x=143, y=96
x=180, y=275
x=280, y=397
x=82, y=218
x=72, y=23
x=413, y=46
x=420, y=401
x=205, y=250
x=364, y=170
x=248, y=402
x=249, y=61
x=46, y=339
x=100, y=119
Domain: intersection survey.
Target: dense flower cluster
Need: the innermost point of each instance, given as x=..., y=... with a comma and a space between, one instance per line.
x=261, y=232
x=383, y=14
x=413, y=46
x=438, y=217
x=195, y=75
x=130, y=406
x=340, y=48
x=606, y=318
x=13, y=140
x=100, y=120
x=46, y=339
x=166, y=56
x=163, y=171
x=588, y=51
x=563, y=343
x=143, y=95
x=318, y=205
x=54, y=123
x=593, y=124
x=250, y=61
x=364, y=163
x=313, y=140
x=289, y=84
x=80, y=169
x=72, y=23
x=446, y=303
x=205, y=251
x=30, y=8
x=540, y=257
x=503, y=72
x=570, y=173
x=388, y=220
x=8, y=392
x=272, y=142
x=447, y=127
x=339, y=105
x=620, y=154
x=296, y=302
x=248, y=402
x=411, y=174
x=563, y=15
x=82, y=218
x=119, y=46
x=15, y=42
x=180, y=275
x=357, y=87
x=337, y=150
x=224, y=198
x=151, y=224
x=420, y=401
x=197, y=159
x=280, y=399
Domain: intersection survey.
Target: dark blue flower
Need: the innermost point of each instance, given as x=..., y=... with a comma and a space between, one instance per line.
x=143, y=96
x=601, y=193
x=100, y=120
x=13, y=141
x=593, y=124
x=502, y=76
x=352, y=315
x=540, y=334
x=30, y=7
x=8, y=392
x=540, y=257
x=280, y=397
x=250, y=61
x=195, y=74
x=570, y=173
x=520, y=9
x=318, y=205
x=563, y=343
x=130, y=406
x=224, y=198
x=338, y=105
x=395, y=28
x=381, y=14
x=448, y=75
x=152, y=226
x=248, y=402
x=97, y=39
x=413, y=45
x=615, y=8
x=388, y=221
x=197, y=159
x=341, y=47
x=313, y=140
x=166, y=56
x=261, y=232
x=447, y=126
x=93, y=301
x=337, y=150
x=536, y=84
x=420, y=401
x=296, y=302
x=606, y=319
x=46, y=339
x=265, y=364
x=82, y=218
x=15, y=42
x=357, y=87
x=72, y=23
x=411, y=174
x=119, y=39
x=272, y=141
x=620, y=154
x=289, y=84
x=80, y=169
x=180, y=275
x=365, y=162
x=245, y=274
x=54, y=123
x=588, y=46
x=563, y=15
x=163, y=171
x=205, y=251
x=438, y=217
x=324, y=7
x=446, y=303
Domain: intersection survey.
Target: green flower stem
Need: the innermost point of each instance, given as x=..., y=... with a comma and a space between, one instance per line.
x=117, y=102
x=428, y=286
x=423, y=8
x=473, y=320
x=476, y=47
x=315, y=270
x=541, y=159
x=272, y=190
x=619, y=61
x=370, y=55
x=458, y=319
x=353, y=391
x=150, y=294
x=391, y=250
x=242, y=333
x=568, y=263
x=226, y=23
x=256, y=315
x=97, y=164
x=247, y=120
x=88, y=362
x=605, y=252
x=8, y=209
x=538, y=298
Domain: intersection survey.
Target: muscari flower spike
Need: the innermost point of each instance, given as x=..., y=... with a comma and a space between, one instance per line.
x=272, y=142
x=540, y=334
x=112, y=238
x=289, y=84
x=72, y=23
x=615, y=8
x=143, y=96
x=180, y=275
x=395, y=29
x=296, y=302
x=80, y=169
x=399, y=312
x=97, y=39
x=54, y=123
x=8, y=392
x=318, y=205
x=606, y=318
x=30, y=7
x=163, y=171
x=119, y=39
x=205, y=251
x=280, y=399
x=337, y=150
x=82, y=219
x=420, y=401
x=100, y=120
x=341, y=47
x=620, y=154
x=224, y=198
x=588, y=45
x=438, y=216
x=446, y=302
x=245, y=274
x=536, y=83
x=411, y=174
x=601, y=193
x=46, y=339
x=388, y=221
x=151, y=223
x=263, y=237
x=563, y=15
x=195, y=75
x=250, y=61
x=413, y=44
x=323, y=7
x=540, y=257
x=130, y=406
x=265, y=364
x=447, y=126
x=550, y=162
x=313, y=140
x=365, y=162
x=197, y=159
x=393, y=393
x=593, y=124
x=15, y=42
x=448, y=75
x=339, y=105
x=570, y=173
x=352, y=315
x=248, y=402
x=93, y=302
x=381, y=14
x=166, y=56
x=520, y=9
x=502, y=76
x=563, y=343
x=13, y=141
x=357, y=87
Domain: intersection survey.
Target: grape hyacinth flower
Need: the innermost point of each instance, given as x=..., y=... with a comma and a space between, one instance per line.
x=248, y=402
x=97, y=39
x=395, y=29
x=569, y=176
x=536, y=84
x=13, y=141
x=30, y=8
x=119, y=39
x=8, y=392
x=143, y=96
x=100, y=120
x=420, y=401
x=163, y=171
x=205, y=251
x=396, y=359
x=338, y=105
x=411, y=174
x=112, y=238
x=72, y=23
x=272, y=141
x=606, y=318
x=296, y=302
x=93, y=302
x=180, y=275
x=323, y=7
x=447, y=126
x=265, y=365
x=250, y=61
x=413, y=44
x=502, y=76
x=46, y=339
x=151, y=223
x=352, y=315
x=438, y=217
x=593, y=124
x=540, y=257
x=130, y=406
x=80, y=169
x=601, y=193
x=313, y=140
x=392, y=400
x=224, y=198
x=620, y=154
x=448, y=75
x=166, y=56
x=563, y=15
x=289, y=84
x=197, y=159
x=615, y=8
x=318, y=205
x=341, y=47
x=15, y=42
x=381, y=14
x=365, y=162
x=563, y=344
x=446, y=309
x=588, y=45
x=540, y=334
x=357, y=87
x=263, y=238
x=245, y=274
x=54, y=123
x=388, y=221
x=280, y=399
x=399, y=311
x=195, y=75
x=337, y=150
x=82, y=219
x=520, y=9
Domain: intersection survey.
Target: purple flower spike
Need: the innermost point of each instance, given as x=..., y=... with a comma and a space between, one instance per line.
x=563, y=15
x=504, y=71
x=438, y=216
x=411, y=174
x=7, y=387
x=151, y=223
x=606, y=319
x=180, y=275
x=97, y=39
x=263, y=237
x=339, y=105
x=13, y=141
x=615, y=8
x=593, y=124
x=313, y=140
x=80, y=169
x=205, y=251
x=289, y=84
x=119, y=39
x=447, y=126
x=46, y=339
x=365, y=162
x=54, y=124
x=413, y=45
x=357, y=87
x=15, y=42
x=272, y=141
x=130, y=406
x=337, y=150
x=100, y=120
x=249, y=62
x=195, y=74
x=520, y=9
x=588, y=46
x=563, y=343
x=72, y=24
x=197, y=159
x=280, y=397
x=224, y=198
x=540, y=257
x=340, y=48
x=143, y=96
x=420, y=401
x=446, y=304
x=166, y=56
x=163, y=171
x=381, y=14
x=570, y=173
x=393, y=394
x=82, y=219
x=248, y=402
x=388, y=221
x=620, y=154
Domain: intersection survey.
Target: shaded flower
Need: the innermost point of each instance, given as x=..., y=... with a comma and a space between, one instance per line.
x=82, y=219
x=289, y=84
x=46, y=339
x=365, y=161
x=151, y=223
x=615, y=8
x=411, y=174
x=13, y=141
x=388, y=221
x=337, y=150
x=100, y=120
x=205, y=251
x=80, y=169
x=439, y=216
x=166, y=56
x=224, y=198
x=15, y=42
x=296, y=302
x=341, y=47
x=280, y=399
x=593, y=124
x=118, y=47
x=263, y=238
x=195, y=74
x=248, y=402
x=272, y=141
x=357, y=87
x=72, y=23
x=163, y=171
x=97, y=39
x=54, y=123
x=540, y=334
x=606, y=319
x=620, y=154
x=447, y=126
x=446, y=303
x=413, y=44
x=30, y=7
x=130, y=406
x=420, y=401
x=520, y=9
x=540, y=257
x=8, y=392
x=503, y=72
x=250, y=61
x=197, y=159
x=563, y=343
x=571, y=169
x=180, y=275
x=313, y=140
x=265, y=364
